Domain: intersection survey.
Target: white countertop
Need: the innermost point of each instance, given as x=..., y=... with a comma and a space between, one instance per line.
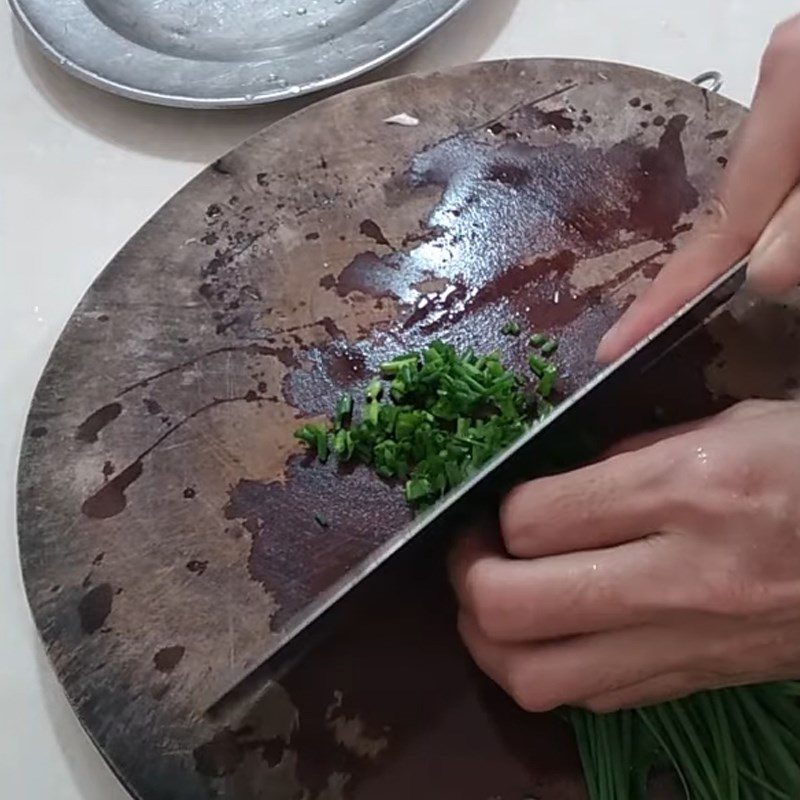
x=80, y=171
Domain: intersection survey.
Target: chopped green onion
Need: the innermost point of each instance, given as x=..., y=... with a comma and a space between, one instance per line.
x=343, y=444
x=545, y=409
x=316, y=437
x=374, y=390
x=391, y=368
x=373, y=412
x=537, y=364
x=549, y=347
x=417, y=488
x=307, y=434
x=322, y=445
x=344, y=409
x=547, y=380
x=446, y=415
x=511, y=328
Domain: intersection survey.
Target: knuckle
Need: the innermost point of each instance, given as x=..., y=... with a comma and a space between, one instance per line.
x=743, y=409
x=487, y=600
x=492, y=619
x=720, y=226
x=722, y=472
x=747, y=408
x=730, y=232
x=718, y=214
x=473, y=585
x=530, y=694
x=711, y=468
x=729, y=593
x=513, y=519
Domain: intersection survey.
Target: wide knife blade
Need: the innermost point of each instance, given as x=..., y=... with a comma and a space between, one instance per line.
x=517, y=462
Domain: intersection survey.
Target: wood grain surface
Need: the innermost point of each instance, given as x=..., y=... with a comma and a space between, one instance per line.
x=166, y=515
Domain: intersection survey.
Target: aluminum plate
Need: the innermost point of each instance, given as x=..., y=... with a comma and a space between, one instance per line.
x=219, y=53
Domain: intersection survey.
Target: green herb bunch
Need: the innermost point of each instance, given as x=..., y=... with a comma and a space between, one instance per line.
x=730, y=744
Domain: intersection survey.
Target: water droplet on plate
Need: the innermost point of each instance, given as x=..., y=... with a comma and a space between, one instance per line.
x=301, y=12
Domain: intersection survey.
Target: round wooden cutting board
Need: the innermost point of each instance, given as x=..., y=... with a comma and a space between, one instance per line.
x=166, y=514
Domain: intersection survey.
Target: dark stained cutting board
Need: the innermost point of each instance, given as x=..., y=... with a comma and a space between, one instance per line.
x=166, y=516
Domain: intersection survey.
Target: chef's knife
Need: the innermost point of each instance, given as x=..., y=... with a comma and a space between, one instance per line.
x=517, y=462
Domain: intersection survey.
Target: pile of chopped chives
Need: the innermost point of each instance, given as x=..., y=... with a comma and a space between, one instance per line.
x=433, y=418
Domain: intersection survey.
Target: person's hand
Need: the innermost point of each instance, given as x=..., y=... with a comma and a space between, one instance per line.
x=758, y=206
x=670, y=567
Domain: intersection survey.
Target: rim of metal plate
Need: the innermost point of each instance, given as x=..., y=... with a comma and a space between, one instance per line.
x=41, y=20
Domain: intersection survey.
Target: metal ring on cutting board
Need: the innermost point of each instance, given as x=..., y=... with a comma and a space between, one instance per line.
x=711, y=81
